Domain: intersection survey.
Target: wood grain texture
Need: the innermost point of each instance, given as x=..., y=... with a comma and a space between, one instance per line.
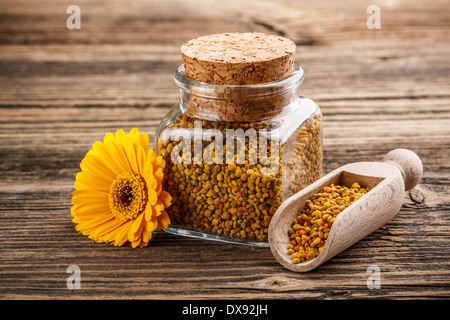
x=60, y=90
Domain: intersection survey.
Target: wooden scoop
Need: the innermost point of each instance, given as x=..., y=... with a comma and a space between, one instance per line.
x=399, y=170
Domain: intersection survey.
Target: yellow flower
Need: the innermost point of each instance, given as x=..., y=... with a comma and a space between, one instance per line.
x=118, y=195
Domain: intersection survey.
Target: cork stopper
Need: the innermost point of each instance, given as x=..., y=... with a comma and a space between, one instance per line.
x=238, y=58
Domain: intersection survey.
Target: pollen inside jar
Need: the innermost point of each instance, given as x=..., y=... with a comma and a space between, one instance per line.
x=241, y=140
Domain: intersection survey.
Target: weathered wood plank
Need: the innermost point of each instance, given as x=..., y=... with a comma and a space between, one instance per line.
x=164, y=22
x=104, y=76
x=55, y=245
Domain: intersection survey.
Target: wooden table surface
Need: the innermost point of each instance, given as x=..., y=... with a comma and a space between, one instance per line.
x=61, y=90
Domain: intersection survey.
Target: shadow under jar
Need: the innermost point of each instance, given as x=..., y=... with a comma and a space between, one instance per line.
x=234, y=153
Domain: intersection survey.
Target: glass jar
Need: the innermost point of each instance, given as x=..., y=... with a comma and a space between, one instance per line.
x=234, y=153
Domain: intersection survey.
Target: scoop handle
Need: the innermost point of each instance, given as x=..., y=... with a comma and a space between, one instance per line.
x=409, y=165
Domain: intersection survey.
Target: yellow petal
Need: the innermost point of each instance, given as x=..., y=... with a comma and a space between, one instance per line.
x=111, y=159
x=134, y=133
x=144, y=141
x=78, y=217
x=97, y=166
x=158, y=207
x=137, y=243
x=159, y=189
x=136, y=228
x=133, y=138
x=130, y=154
x=97, y=221
x=105, y=228
x=152, y=197
x=151, y=156
x=148, y=169
x=148, y=213
x=148, y=176
x=91, y=207
x=82, y=163
x=159, y=175
x=122, y=235
x=147, y=233
x=149, y=227
x=120, y=135
x=152, y=224
x=118, y=153
x=92, y=182
x=85, y=215
x=141, y=160
x=79, y=186
x=110, y=236
x=163, y=220
x=100, y=151
x=73, y=211
x=160, y=162
x=165, y=198
x=98, y=195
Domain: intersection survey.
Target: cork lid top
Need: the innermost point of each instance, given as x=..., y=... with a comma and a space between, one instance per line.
x=238, y=58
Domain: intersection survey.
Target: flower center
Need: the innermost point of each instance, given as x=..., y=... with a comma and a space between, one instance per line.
x=128, y=196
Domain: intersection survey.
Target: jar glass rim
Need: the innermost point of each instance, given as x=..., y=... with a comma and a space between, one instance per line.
x=292, y=82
